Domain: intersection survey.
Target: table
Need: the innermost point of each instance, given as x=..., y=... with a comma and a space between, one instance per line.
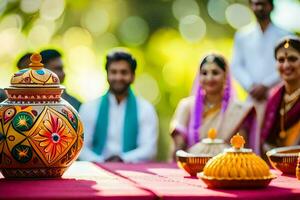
x=170, y=183
x=86, y=180
x=83, y=180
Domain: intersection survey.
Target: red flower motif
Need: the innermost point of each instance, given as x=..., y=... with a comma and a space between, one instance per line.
x=54, y=137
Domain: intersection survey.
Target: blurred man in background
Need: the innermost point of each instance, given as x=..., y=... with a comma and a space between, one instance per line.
x=51, y=58
x=253, y=61
x=22, y=63
x=119, y=126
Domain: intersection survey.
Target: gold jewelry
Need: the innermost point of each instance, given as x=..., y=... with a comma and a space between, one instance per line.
x=292, y=97
x=286, y=44
x=287, y=104
x=211, y=108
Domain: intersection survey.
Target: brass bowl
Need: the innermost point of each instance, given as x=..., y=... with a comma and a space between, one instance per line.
x=236, y=183
x=284, y=158
x=298, y=167
x=191, y=163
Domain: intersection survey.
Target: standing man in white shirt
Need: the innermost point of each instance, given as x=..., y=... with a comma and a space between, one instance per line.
x=119, y=126
x=253, y=63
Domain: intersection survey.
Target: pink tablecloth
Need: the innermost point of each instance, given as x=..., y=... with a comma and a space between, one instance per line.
x=169, y=182
x=82, y=181
x=135, y=181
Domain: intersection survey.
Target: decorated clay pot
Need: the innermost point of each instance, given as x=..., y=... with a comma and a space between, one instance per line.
x=40, y=133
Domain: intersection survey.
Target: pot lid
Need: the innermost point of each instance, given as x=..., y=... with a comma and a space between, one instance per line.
x=35, y=83
x=35, y=75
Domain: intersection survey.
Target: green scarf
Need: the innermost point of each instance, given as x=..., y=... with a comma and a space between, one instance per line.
x=130, y=127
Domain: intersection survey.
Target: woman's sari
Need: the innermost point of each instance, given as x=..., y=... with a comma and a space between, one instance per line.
x=237, y=117
x=281, y=125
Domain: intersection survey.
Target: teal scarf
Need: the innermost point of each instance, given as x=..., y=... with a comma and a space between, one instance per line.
x=130, y=127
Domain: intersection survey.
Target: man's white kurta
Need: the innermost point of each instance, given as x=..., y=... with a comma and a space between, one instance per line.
x=253, y=55
x=147, y=131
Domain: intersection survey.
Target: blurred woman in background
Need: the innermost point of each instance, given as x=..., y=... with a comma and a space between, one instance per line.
x=282, y=119
x=212, y=105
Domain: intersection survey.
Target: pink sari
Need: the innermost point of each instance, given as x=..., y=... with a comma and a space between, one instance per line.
x=271, y=126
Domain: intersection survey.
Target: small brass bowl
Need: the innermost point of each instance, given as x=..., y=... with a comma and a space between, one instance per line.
x=298, y=167
x=191, y=163
x=284, y=158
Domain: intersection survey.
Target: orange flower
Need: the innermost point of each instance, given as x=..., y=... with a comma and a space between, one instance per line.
x=54, y=136
x=237, y=141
